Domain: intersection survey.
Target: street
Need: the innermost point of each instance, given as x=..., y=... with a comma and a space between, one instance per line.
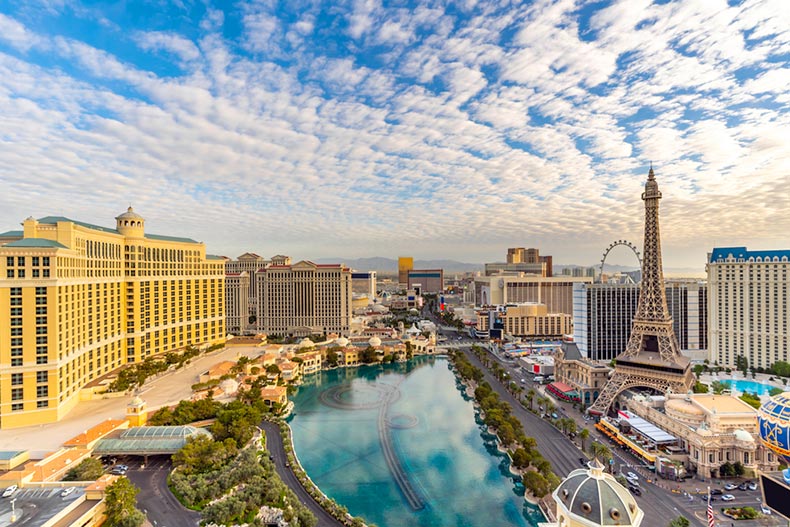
x=155, y=498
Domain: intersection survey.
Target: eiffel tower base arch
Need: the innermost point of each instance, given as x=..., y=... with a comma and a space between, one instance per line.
x=624, y=380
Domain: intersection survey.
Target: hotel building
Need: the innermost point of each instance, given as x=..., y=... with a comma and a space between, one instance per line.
x=527, y=320
x=237, y=302
x=425, y=280
x=748, y=306
x=555, y=292
x=304, y=299
x=78, y=301
x=602, y=315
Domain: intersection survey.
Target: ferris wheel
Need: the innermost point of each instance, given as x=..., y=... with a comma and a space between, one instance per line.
x=624, y=243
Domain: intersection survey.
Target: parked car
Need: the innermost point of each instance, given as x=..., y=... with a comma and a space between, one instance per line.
x=634, y=490
x=752, y=485
x=730, y=486
x=9, y=490
x=67, y=491
x=727, y=497
x=765, y=510
x=743, y=486
x=583, y=461
x=716, y=492
x=631, y=475
x=554, y=415
x=632, y=482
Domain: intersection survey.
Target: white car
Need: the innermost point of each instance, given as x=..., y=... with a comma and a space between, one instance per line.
x=727, y=497
x=10, y=490
x=67, y=491
x=631, y=475
x=730, y=486
x=765, y=510
x=632, y=482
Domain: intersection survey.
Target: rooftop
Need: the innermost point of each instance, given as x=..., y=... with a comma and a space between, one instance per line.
x=35, y=242
x=722, y=253
x=53, y=220
x=722, y=404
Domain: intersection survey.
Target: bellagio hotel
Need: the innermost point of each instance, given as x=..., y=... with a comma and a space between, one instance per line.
x=78, y=301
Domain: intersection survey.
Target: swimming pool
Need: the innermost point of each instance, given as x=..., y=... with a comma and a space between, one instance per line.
x=742, y=385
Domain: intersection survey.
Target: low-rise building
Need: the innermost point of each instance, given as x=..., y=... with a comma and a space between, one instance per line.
x=712, y=429
x=529, y=320
x=272, y=395
x=217, y=371
x=583, y=375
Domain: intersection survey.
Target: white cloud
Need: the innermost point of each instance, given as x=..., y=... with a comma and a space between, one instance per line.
x=185, y=49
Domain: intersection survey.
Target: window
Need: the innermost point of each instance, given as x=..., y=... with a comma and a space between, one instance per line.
x=20, y=261
x=45, y=261
x=16, y=332
x=16, y=361
x=35, y=273
x=9, y=261
x=35, y=261
x=41, y=310
x=42, y=391
x=17, y=394
x=46, y=273
x=16, y=379
x=16, y=291
x=42, y=404
x=41, y=290
x=16, y=311
x=41, y=359
x=17, y=407
x=42, y=376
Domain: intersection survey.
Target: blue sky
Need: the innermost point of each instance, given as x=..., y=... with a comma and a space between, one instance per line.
x=433, y=129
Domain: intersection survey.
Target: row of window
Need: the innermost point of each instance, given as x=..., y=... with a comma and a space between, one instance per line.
x=20, y=261
x=20, y=273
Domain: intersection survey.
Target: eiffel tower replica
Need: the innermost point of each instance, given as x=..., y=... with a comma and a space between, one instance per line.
x=652, y=356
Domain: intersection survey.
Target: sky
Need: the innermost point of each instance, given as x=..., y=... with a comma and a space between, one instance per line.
x=433, y=129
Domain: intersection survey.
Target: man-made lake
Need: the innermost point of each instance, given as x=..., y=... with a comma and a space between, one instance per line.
x=399, y=446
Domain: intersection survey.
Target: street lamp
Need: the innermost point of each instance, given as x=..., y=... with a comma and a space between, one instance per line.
x=13, y=511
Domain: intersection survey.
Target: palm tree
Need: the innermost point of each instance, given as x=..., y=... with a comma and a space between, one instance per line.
x=530, y=397
x=601, y=451
x=583, y=435
x=571, y=426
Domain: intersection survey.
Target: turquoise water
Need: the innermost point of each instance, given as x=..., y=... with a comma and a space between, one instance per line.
x=399, y=445
x=748, y=386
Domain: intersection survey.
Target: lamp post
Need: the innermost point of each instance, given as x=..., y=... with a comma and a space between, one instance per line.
x=13, y=511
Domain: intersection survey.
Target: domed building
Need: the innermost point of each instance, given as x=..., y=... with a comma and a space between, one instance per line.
x=711, y=430
x=590, y=497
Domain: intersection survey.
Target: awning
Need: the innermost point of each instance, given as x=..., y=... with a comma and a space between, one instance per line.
x=647, y=429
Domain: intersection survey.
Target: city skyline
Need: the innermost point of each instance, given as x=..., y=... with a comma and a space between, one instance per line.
x=353, y=130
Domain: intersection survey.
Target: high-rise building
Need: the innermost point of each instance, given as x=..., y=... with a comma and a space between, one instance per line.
x=527, y=320
x=364, y=283
x=246, y=263
x=426, y=280
x=602, y=315
x=79, y=300
x=555, y=292
x=521, y=260
x=747, y=306
x=405, y=264
x=237, y=302
x=304, y=299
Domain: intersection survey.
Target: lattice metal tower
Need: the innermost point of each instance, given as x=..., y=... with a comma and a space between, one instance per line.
x=652, y=356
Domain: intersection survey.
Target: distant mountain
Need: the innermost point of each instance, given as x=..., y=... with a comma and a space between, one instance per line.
x=390, y=265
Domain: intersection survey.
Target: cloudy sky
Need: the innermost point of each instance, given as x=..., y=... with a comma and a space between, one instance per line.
x=432, y=129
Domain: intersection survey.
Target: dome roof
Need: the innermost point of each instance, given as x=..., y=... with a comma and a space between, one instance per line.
x=130, y=214
x=374, y=341
x=684, y=407
x=774, y=421
x=597, y=498
x=306, y=343
x=743, y=435
x=137, y=401
x=342, y=342
x=378, y=308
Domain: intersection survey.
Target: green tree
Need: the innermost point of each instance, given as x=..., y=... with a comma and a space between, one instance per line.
x=751, y=399
x=332, y=358
x=781, y=368
x=738, y=469
x=700, y=387
x=89, y=469
x=698, y=369
x=120, y=505
x=273, y=369
x=774, y=391
x=530, y=397
x=536, y=483
x=583, y=435
x=680, y=521
x=718, y=387
x=601, y=451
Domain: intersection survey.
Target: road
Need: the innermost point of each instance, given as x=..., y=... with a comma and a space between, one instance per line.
x=155, y=499
x=658, y=504
x=274, y=444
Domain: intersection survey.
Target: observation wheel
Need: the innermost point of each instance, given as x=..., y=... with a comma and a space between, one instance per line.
x=624, y=243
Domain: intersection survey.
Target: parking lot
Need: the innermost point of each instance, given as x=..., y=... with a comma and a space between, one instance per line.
x=36, y=505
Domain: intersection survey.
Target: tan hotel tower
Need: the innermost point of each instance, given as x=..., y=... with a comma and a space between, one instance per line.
x=78, y=300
